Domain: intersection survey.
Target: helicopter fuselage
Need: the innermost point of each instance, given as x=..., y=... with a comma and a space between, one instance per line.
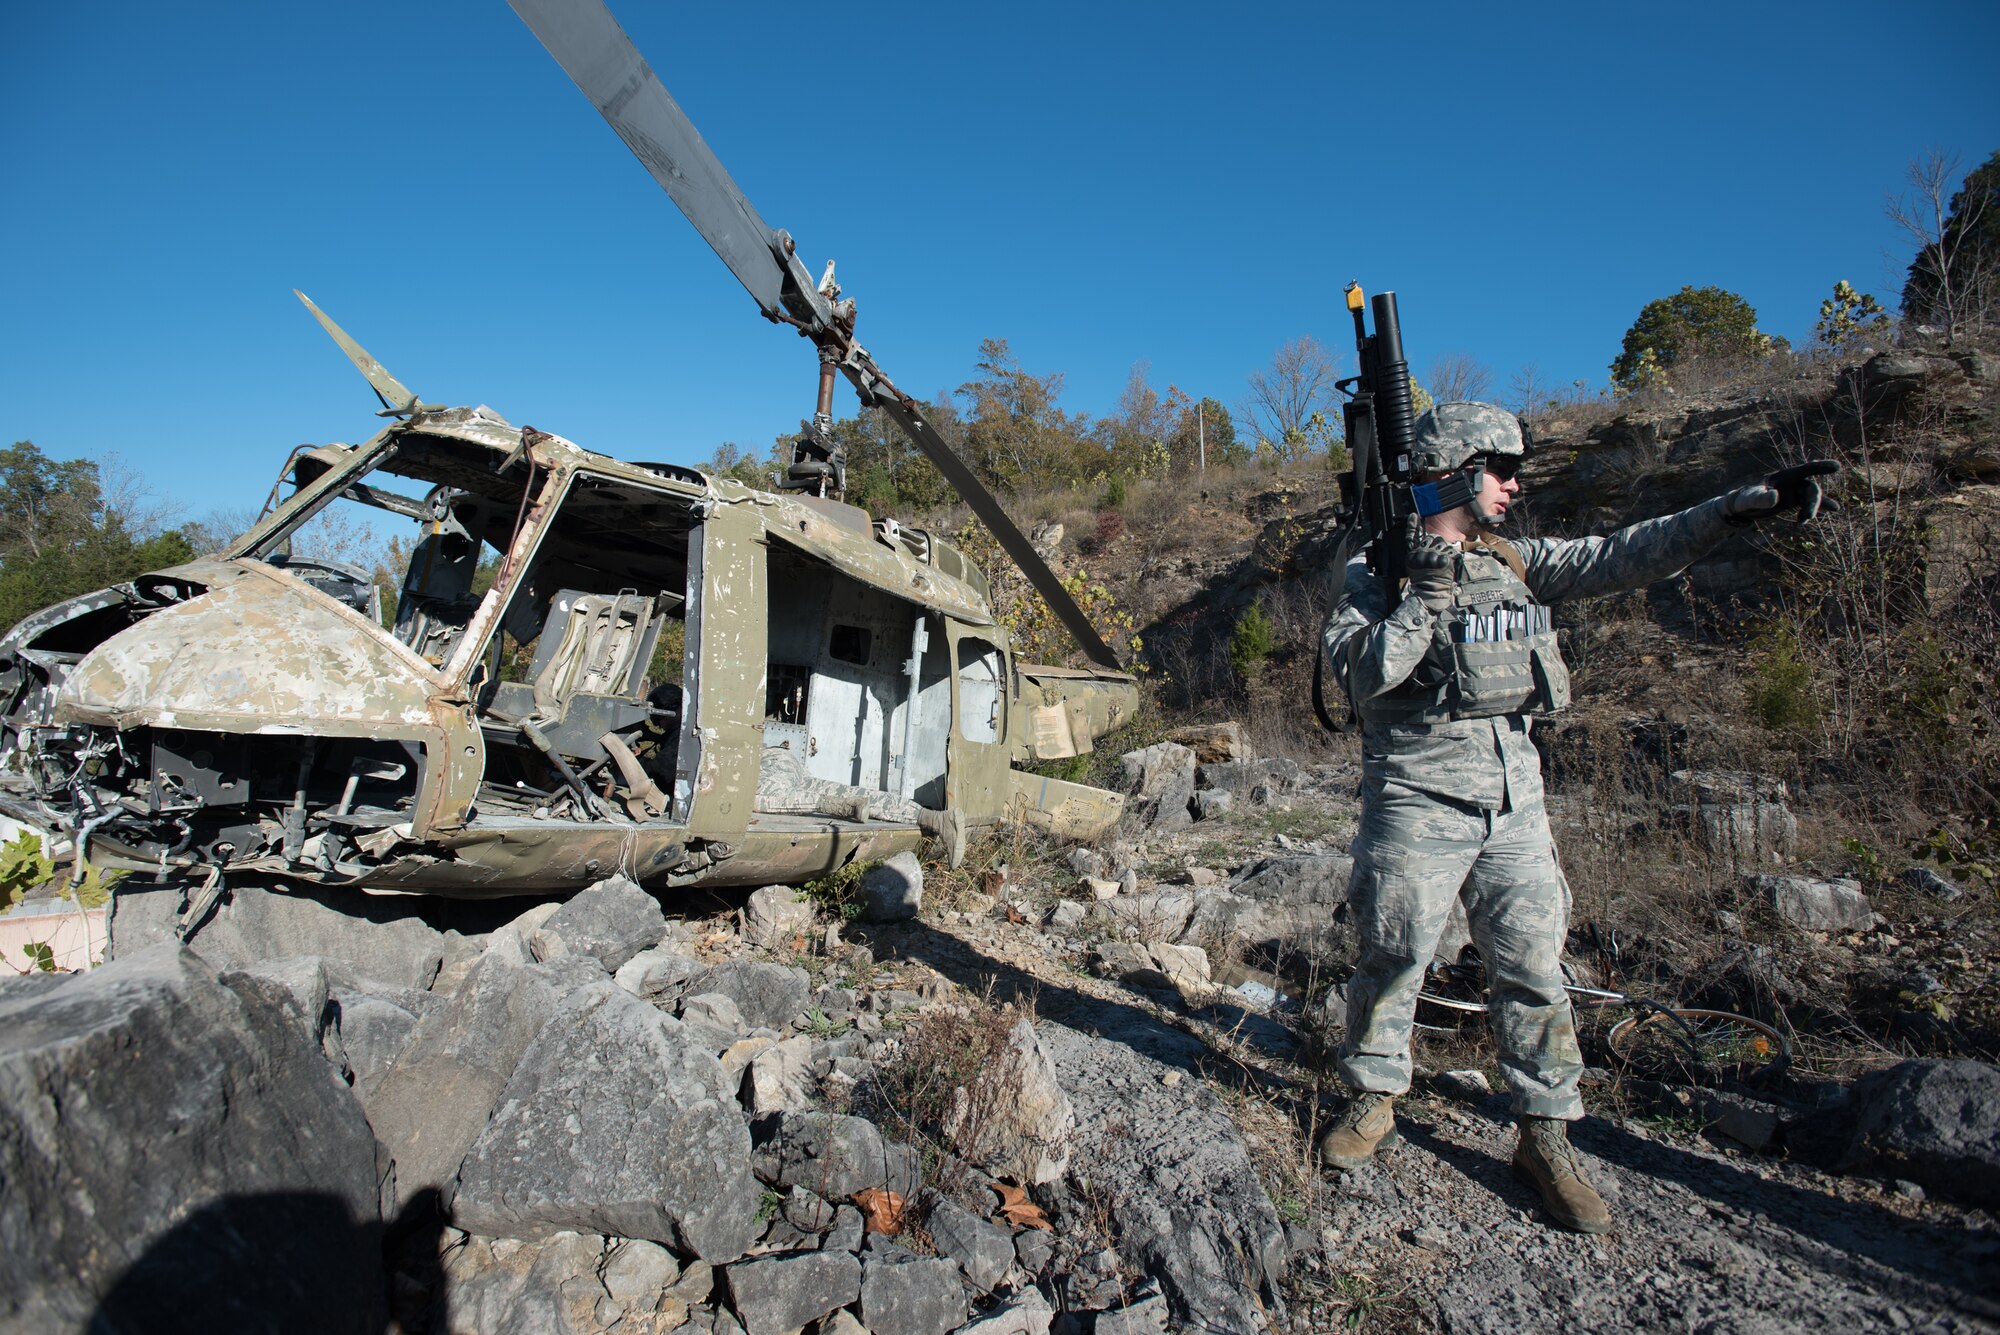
x=587, y=665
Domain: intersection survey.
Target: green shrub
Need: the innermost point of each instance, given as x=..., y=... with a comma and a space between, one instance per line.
x=1849, y=315
x=1781, y=689
x=1706, y=322
x=1114, y=492
x=838, y=893
x=1252, y=641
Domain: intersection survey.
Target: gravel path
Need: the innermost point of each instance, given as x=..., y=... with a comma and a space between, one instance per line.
x=1441, y=1236
x=1704, y=1241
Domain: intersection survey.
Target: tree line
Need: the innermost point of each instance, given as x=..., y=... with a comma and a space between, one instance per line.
x=70, y=527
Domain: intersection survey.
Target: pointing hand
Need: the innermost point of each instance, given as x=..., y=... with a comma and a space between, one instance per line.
x=1794, y=488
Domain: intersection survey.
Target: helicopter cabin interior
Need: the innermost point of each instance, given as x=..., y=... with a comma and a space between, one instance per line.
x=576, y=687
x=858, y=686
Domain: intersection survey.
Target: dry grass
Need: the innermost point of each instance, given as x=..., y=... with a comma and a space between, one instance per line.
x=942, y=1087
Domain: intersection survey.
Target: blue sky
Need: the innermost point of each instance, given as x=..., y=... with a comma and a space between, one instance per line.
x=1098, y=184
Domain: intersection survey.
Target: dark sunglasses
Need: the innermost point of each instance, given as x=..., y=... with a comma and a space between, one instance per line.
x=1502, y=467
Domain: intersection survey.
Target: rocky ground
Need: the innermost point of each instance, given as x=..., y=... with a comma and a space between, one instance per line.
x=1062, y=1089
x=1712, y=1234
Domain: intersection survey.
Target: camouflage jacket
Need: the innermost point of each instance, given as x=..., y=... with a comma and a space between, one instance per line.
x=1374, y=650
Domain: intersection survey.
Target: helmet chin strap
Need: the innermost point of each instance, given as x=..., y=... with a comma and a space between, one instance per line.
x=1486, y=520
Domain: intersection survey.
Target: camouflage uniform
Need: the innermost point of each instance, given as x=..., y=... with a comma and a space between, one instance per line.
x=1452, y=790
x=784, y=787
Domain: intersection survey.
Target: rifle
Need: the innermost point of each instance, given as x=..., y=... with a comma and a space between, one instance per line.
x=1380, y=422
x=1381, y=425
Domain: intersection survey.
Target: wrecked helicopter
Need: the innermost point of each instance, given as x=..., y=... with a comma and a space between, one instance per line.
x=843, y=687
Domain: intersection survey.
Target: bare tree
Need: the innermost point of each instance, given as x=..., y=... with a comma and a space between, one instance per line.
x=126, y=494
x=1297, y=384
x=1532, y=394
x=1951, y=278
x=1456, y=377
x=220, y=527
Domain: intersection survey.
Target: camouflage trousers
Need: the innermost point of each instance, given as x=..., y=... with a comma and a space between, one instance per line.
x=783, y=786
x=1414, y=856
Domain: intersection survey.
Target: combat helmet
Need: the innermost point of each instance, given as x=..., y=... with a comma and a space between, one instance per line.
x=1452, y=434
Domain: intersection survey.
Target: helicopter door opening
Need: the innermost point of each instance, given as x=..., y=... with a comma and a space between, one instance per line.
x=858, y=685
x=578, y=690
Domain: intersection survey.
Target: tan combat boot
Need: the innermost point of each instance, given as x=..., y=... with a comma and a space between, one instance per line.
x=1550, y=1164
x=1366, y=1125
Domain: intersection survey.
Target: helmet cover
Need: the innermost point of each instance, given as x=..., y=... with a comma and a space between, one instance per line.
x=1452, y=434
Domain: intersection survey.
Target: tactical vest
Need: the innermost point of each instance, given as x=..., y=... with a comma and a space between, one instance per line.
x=1494, y=652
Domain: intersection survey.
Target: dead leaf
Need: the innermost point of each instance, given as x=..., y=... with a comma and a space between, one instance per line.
x=1015, y=916
x=1017, y=1209
x=881, y=1210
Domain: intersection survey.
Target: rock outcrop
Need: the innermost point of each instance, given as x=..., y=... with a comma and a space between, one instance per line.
x=1936, y=1123
x=1201, y=1222
x=174, y=1142
x=614, y=1123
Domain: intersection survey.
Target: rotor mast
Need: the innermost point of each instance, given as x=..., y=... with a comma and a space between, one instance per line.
x=596, y=53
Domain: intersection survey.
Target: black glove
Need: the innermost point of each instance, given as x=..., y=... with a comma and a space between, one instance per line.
x=1432, y=564
x=1794, y=488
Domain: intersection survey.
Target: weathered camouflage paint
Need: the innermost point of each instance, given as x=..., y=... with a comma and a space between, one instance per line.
x=1414, y=855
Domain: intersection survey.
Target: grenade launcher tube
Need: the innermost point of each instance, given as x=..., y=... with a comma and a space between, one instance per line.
x=1381, y=421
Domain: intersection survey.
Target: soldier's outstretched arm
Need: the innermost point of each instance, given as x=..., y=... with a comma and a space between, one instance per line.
x=1588, y=567
x=1560, y=568
x=1371, y=646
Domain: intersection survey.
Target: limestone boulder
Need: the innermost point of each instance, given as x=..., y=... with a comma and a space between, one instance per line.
x=775, y=917
x=982, y=1249
x=1154, y=916
x=1176, y=1176
x=1023, y=1126
x=894, y=891
x=433, y=1102
x=1961, y=534
x=659, y=976
x=611, y=922
x=832, y=1154
x=768, y=996
x=775, y=1294
x=1814, y=905
x=1160, y=779
x=171, y=1143
x=1214, y=743
x=910, y=1296
x=382, y=942
x=1318, y=879
x=1738, y=816
x=779, y=1078
x=504, y=1284
x=614, y=1123
x=1936, y=1123
x=372, y=1033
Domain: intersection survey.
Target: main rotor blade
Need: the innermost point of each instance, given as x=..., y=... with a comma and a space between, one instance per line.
x=395, y=395
x=967, y=484
x=595, y=52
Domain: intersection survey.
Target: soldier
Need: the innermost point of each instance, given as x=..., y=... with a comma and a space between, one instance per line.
x=1445, y=678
